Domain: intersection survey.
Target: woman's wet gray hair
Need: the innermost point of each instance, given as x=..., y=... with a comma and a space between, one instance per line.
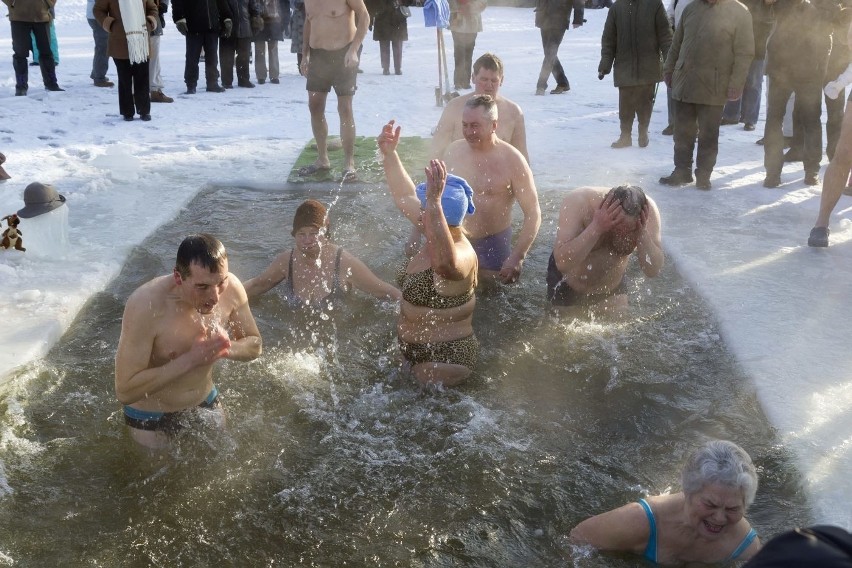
x=631, y=197
x=722, y=462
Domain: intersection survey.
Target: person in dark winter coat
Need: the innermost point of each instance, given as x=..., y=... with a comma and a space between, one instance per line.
x=248, y=20
x=129, y=51
x=796, y=63
x=636, y=39
x=390, y=29
x=707, y=64
x=276, y=22
x=201, y=21
x=551, y=17
x=27, y=16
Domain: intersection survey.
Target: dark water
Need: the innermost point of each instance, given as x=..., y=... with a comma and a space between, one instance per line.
x=334, y=457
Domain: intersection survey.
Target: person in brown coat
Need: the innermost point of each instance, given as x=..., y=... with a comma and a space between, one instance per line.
x=129, y=23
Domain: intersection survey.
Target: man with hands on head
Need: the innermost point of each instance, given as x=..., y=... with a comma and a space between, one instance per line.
x=598, y=230
x=174, y=328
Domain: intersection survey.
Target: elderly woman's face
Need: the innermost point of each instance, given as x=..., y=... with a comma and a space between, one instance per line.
x=715, y=509
x=309, y=239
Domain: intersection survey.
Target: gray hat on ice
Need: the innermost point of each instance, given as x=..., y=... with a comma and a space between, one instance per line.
x=40, y=198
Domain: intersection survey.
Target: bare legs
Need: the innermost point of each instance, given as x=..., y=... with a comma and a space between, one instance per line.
x=319, y=126
x=837, y=172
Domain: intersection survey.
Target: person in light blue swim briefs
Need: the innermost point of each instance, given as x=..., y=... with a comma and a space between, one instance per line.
x=705, y=523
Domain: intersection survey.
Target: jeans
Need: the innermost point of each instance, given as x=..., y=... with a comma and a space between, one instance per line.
x=463, y=44
x=385, y=53
x=551, y=39
x=100, y=60
x=156, y=79
x=747, y=108
x=696, y=121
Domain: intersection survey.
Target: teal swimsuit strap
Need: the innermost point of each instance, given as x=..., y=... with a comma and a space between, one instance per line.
x=651, y=548
x=749, y=538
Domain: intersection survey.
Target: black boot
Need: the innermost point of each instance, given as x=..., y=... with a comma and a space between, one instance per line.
x=680, y=176
x=48, y=74
x=21, y=76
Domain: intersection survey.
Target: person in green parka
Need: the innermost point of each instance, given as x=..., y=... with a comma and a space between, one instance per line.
x=636, y=38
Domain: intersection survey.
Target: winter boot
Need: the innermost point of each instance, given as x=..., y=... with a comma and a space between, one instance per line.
x=702, y=180
x=643, y=136
x=48, y=74
x=623, y=141
x=21, y=76
x=680, y=176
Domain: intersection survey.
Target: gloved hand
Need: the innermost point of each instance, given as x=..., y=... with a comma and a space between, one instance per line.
x=256, y=24
x=601, y=76
x=181, y=26
x=832, y=90
x=227, y=27
x=152, y=23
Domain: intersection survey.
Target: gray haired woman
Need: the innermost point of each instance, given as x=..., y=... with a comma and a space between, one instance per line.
x=704, y=523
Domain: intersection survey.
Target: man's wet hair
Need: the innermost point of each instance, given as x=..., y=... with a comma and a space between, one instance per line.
x=631, y=197
x=488, y=61
x=202, y=249
x=486, y=102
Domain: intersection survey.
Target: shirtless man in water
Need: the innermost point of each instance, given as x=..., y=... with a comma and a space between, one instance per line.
x=499, y=175
x=174, y=328
x=487, y=79
x=598, y=230
x=330, y=59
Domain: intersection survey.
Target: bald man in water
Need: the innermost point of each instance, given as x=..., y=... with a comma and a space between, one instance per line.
x=599, y=229
x=174, y=329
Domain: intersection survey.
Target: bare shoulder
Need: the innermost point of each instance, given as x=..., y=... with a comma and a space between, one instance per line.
x=149, y=297
x=508, y=107
x=584, y=196
x=625, y=528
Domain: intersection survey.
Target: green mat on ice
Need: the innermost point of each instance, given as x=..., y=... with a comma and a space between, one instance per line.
x=413, y=150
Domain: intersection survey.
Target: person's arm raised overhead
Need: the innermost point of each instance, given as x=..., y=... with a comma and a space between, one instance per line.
x=399, y=183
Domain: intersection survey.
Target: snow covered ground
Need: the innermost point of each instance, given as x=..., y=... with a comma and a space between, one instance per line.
x=784, y=308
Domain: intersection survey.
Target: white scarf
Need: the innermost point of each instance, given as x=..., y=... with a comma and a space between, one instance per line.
x=135, y=28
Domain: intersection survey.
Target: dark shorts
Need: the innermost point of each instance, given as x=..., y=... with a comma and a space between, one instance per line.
x=168, y=422
x=327, y=69
x=493, y=250
x=464, y=351
x=559, y=293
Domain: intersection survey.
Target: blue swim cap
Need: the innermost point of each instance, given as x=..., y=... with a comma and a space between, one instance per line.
x=456, y=201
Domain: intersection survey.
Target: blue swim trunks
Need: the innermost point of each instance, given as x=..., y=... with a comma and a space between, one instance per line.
x=169, y=422
x=493, y=250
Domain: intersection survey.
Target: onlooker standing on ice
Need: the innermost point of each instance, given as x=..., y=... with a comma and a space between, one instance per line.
x=465, y=23
x=54, y=42
x=128, y=23
x=673, y=11
x=201, y=21
x=248, y=19
x=100, y=59
x=390, y=29
x=154, y=72
x=297, y=27
x=706, y=66
x=551, y=17
x=276, y=16
x=636, y=38
x=747, y=108
x=796, y=62
x=27, y=16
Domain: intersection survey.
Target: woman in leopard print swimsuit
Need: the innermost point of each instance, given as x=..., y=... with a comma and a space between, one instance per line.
x=436, y=316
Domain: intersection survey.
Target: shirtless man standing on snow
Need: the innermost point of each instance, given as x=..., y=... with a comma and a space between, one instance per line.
x=174, y=328
x=487, y=78
x=499, y=175
x=598, y=230
x=330, y=59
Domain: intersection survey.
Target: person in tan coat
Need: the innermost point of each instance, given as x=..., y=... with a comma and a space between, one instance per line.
x=129, y=23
